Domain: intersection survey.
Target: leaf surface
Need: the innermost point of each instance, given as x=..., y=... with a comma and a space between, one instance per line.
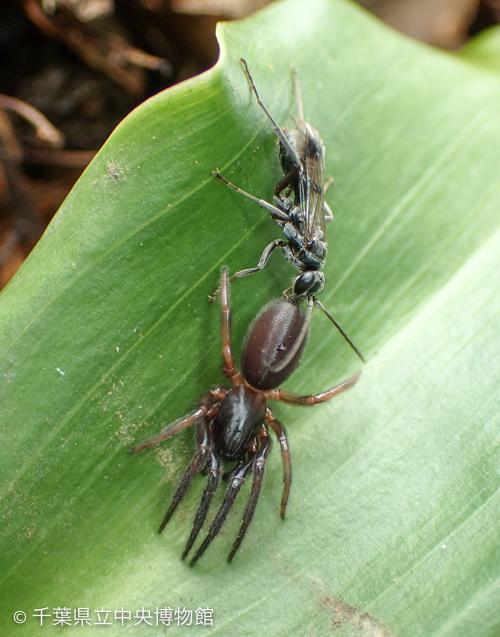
x=106, y=336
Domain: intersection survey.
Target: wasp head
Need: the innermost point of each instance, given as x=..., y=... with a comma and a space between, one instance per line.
x=309, y=283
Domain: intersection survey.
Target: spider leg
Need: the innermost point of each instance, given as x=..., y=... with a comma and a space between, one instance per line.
x=199, y=461
x=206, y=500
x=280, y=432
x=286, y=181
x=259, y=466
x=293, y=399
x=229, y=368
x=207, y=409
x=235, y=484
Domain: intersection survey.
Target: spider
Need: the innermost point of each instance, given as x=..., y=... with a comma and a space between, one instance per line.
x=233, y=424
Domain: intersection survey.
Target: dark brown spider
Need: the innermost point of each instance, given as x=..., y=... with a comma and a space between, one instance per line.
x=233, y=424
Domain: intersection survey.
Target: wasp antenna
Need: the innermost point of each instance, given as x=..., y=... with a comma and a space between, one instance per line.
x=353, y=347
x=298, y=95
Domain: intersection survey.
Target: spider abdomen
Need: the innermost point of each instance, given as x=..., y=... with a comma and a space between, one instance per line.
x=274, y=344
x=239, y=419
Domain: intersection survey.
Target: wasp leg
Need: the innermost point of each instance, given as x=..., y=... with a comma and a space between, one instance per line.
x=279, y=133
x=277, y=243
x=276, y=213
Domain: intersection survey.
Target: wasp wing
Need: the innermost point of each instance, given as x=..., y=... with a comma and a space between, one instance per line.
x=312, y=181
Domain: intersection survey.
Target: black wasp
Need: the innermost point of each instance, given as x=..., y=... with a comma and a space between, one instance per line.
x=299, y=207
x=233, y=424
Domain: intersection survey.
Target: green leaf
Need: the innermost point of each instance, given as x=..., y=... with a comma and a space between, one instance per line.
x=484, y=50
x=107, y=336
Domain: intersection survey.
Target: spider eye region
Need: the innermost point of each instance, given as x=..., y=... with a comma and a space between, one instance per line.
x=238, y=421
